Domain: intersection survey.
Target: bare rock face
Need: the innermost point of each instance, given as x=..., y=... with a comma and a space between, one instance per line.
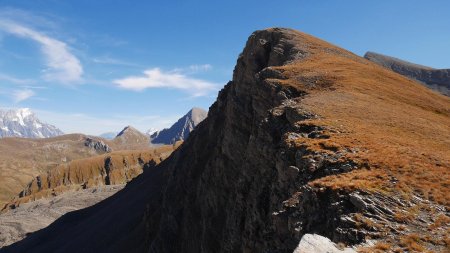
x=436, y=79
x=98, y=145
x=312, y=243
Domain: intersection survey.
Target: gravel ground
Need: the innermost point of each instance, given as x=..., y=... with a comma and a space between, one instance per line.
x=17, y=223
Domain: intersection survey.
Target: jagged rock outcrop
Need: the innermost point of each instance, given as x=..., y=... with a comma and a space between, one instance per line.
x=98, y=145
x=181, y=129
x=436, y=79
x=306, y=138
x=23, y=123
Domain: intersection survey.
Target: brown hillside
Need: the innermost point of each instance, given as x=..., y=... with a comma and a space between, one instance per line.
x=118, y=167
x=130, y=138
x=306, y=138
x=21, y=159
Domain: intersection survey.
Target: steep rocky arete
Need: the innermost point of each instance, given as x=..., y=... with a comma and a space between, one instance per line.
x=307, y=138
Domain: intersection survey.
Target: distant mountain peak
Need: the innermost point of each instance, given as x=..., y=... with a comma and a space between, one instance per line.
x=22, y=122
x=128, y=129
x=131, y=135
x=181, y=129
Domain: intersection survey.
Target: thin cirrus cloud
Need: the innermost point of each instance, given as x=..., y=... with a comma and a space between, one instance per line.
x=156, y=78
x=112, y=61
x=21, y=95
x=62, y=65
x=15, y=80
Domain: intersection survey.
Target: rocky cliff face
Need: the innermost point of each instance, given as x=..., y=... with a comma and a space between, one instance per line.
x=436, y=79
x=181, y=129
x=227, y=187
x=23, y=123
x=306, y=138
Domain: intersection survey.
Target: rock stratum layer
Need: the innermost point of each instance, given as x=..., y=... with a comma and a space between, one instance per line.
x=306, y=138
x=436, y=79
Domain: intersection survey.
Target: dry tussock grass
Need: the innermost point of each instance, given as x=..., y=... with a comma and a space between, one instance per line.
x=401, y=128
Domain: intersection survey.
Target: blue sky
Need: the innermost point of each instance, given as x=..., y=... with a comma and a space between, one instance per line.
x=97, y=66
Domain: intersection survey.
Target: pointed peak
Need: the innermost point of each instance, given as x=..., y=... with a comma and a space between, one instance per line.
x=128, y=129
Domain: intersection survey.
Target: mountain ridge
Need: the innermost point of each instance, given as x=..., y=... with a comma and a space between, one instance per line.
x=306, y=138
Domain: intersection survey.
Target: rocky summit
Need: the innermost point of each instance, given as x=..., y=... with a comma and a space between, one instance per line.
x=23, y=123
x=181, y=129
x=307, y=138
x=436, y=79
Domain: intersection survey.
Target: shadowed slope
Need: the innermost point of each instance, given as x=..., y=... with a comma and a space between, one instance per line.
x=307, y=138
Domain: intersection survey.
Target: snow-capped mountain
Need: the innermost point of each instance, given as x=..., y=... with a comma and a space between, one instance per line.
x=23, y=123
x=151, y=131
x=181, y=129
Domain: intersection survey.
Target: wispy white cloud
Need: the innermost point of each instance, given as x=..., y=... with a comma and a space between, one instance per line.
x=21, y=95
x=156, y=78
x=113, y=61
x=62, y=65
x=15, y=80
x=200, y=68
x=192, y=69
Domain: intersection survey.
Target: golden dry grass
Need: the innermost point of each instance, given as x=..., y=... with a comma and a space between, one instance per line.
x=21, y=159
x=401, y=128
